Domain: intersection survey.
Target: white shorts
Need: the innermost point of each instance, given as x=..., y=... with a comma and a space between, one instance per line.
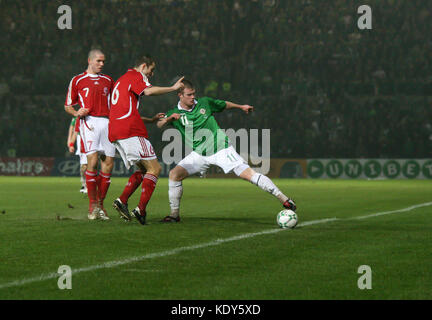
x=94, y=134
x=227, y=159
x=134, y=149
x=82, y=155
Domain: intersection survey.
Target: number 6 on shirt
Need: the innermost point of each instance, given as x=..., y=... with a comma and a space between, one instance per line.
x=115, y=95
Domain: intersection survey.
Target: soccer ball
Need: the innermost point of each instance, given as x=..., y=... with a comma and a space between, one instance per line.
x=287, y=219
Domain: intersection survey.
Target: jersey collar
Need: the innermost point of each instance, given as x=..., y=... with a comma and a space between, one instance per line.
x=181, y=108
x=91, y=75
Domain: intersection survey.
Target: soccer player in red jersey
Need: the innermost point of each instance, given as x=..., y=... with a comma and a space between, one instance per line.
x=128, y=133
x=92, y=91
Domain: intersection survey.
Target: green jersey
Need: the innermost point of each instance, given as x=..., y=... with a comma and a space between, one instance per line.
x=198, y=126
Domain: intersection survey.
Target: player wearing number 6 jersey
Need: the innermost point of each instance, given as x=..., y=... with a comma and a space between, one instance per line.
x=128, y=133
x=92, y=91
x=199, y=129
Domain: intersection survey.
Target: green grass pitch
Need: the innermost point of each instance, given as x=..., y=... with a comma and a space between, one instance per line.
x=227, y=245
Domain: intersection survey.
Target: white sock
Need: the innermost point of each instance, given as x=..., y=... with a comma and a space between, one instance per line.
x=175, y=192
x=266, y=184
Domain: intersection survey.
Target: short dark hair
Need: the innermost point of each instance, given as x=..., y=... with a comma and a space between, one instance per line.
x=187, y=84
x=147, y=59
x=94, y=52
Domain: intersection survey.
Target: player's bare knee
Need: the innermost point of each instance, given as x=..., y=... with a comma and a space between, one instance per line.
x=155, y=169
x=244, y=171
x=92, y=161
x=107, y=164
x=178, y=174
x=158, y=169
x=172, y=175
x=107, y=168
x=92, y=168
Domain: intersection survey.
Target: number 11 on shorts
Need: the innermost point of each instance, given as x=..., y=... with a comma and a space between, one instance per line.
x=231, y=157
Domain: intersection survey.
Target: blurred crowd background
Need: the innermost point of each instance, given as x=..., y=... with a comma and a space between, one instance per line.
x=323, y=87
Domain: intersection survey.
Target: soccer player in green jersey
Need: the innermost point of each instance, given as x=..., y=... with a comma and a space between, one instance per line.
x=73, y=137
x=200, y=131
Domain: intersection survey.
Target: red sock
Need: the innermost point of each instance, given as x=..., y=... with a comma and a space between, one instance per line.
x=98, y=185
x=133, y=183
x=148, y=186
x=103, y=185
x=91, y=182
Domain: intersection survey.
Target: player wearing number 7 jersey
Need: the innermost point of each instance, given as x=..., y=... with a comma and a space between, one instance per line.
x=195, y=121
x=92, y=91
x=128, y=133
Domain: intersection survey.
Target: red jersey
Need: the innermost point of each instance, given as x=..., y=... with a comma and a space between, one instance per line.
x=92, y=91
x=124, y=118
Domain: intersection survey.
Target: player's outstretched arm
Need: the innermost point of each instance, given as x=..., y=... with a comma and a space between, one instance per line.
x=245, y=107
x=154, y=91
x=163, y=121
x=155, y=118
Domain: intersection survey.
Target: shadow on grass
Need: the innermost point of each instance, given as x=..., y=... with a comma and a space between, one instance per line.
x=214, y=220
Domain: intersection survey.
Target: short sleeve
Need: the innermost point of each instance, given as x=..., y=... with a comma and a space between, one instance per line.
x=141, y=82
x=72, y=94
x=216, y=105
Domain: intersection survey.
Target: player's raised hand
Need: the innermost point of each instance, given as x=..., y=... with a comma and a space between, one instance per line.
x=247, y=108
x=179, y=84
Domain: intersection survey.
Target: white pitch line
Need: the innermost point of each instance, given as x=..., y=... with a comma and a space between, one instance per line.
x=139, y=270
x=426, y=204
x=112, y=264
